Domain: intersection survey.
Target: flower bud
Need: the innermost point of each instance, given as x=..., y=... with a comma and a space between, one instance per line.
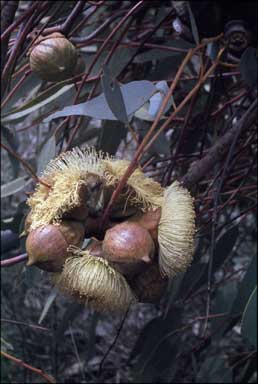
x=47, y=245
x=128, y=242
x=149, y=285
x=53, y=57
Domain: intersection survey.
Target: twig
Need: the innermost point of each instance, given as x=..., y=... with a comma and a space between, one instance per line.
x=7, y=15
x=174, y=332
x=96, y=57
x=39, y=372
x=26, y=166
x=68, y=23
x=113, y=343
x=26, y=324
x=101, y=28
x=150, y=138
x=14, y=260
x=201, y=167
x=77, y=354
x=15, y=88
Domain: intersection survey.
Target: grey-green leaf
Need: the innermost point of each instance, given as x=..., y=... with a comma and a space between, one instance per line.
x=47, y=153
x=249, y=320
x=193, y=24
x=246, y=287
x=50, y=300
x=135, y=94
x=248, y=67
x=14, y=186
x=213, y=370
x=114, y=96
x=39, y=101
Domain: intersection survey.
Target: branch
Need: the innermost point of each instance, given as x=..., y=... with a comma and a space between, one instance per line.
x=199, y=168
x=14, y=260
x=39, y=372
x=114, y=342
x=150, y=138
x=26, y=165
x=68, y=23
x=7, y=16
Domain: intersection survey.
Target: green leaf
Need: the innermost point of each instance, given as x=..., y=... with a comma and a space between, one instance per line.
x=39, y=101
x=48, y=304
x=91, y=342
x=5, y=345
x=224, y=246
x=14, y=186
x=150, y=109
x=29, y=87
x=70, y=314
x=246, y=287
x=156, y=349
x=116, y=64
x=135, y=94
x=212, y=50
x=223, y=303
x=248, y=67
x=114, y=96
x=160, y=145
x=213, y=370
x=112, y=133
x=193, y=24
x=10, y=139
x=47, y=153
x=159, y=54
x=249, y=320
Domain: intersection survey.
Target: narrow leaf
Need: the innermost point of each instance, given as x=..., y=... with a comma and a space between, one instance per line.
x=213, y=370
x=113, y=132
x=42, y=99
x=47, y=153
x=70, y=314
x=10, y=138
x=135, y=94
x=248, y=67
x=246, y=287
x=114, y=96
x=14, y=186
x=193, y=24
x=50, y=300
x=249, y=320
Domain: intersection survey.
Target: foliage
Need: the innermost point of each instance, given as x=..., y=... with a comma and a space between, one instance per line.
x=205, y=327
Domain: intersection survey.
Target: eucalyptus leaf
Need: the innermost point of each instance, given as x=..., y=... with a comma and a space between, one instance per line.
x=212, y=50
x=112, y=133
x=135, y=94
x=11, y=140
x=156, y=349
x=114, y=96
x=193, y=24
x=47, y=153
x=249, y=320
x=29, y=88
x=39, y=101
x=223, y=303
x=246, y=287
x=48, y=304
x=248, y=67
x=14, y=186
x=70, y=314
x=213, y=370
x=150, y=109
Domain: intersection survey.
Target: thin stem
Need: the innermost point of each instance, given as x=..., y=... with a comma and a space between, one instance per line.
x=14, y=260
x=26, y=166
x=39, y=372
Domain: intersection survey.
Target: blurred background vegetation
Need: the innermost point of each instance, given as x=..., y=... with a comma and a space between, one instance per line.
x=204, y=329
